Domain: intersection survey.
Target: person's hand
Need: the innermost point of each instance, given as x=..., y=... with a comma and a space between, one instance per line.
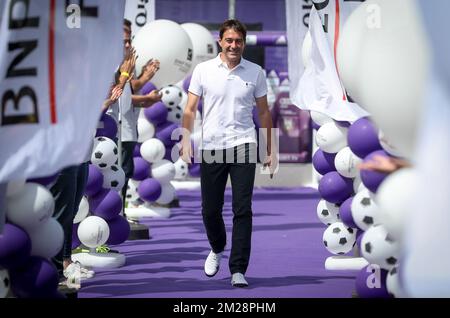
x=129, y=63
x=270, y=163
x=115, y=91
x=384, y=164
x=186, y=152
x=150, y=68
x=153, y=97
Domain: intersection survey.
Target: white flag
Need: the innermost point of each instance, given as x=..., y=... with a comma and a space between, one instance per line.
x=56, y=59
x=297, y=20
x=139, y=12
x=320, y=88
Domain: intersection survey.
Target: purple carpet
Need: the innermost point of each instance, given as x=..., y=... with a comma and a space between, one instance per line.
x=287, y=257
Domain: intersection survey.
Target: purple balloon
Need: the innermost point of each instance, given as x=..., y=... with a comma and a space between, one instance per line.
x=194, y=170
x=335, y=188
x=363, y=138
x=45, y=181
x=373, y=179
x=95, y=181
x=147, y=88
x=345, y=212
x=323, y=162
x=75, y=240
x=137, y=150
x=106, y=204
x=107, y=127
x=119, y=230
x=157, y=113
x=38, y=278
x=186, y=83
x=149, y=190
x=141, y=169
x=164, y=133
x=15, y=246
x=372, y=283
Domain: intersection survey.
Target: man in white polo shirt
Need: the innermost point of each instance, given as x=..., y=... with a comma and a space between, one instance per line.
x=230, y=85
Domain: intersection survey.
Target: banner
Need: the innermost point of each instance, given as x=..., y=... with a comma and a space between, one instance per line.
x=139, y=12
x=56, y=61
x=297, y=20
x=320, y=88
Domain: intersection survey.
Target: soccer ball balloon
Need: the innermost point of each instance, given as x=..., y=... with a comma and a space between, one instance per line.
x=339, y=239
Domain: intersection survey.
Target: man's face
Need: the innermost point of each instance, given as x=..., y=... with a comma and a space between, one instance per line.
x=126, y=41
x=232, y=44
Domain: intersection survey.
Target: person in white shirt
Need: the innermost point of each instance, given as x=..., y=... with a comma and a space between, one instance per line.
x=230, y=85
x=129, y=102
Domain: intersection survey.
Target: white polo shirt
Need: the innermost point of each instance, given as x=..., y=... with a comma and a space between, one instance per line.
x=229, y=98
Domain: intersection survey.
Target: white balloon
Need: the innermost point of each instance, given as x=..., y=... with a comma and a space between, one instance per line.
x=393, y=284
x=388, y=76
x=104, y=153
x=113, y=178
x=93, y=231
x=175, y=114
x=320, y=118
x=388, y=146
x=339, y=239
x=358, y=186
x=181, y=169
x=31, y=207
x=47, y=239
x=167, y=194
x=331, y=137
x=171, y=95
x=204, y=44
x=346, y=163
x=379, y=248
x=184, y=100
x=146, y=130
x=153, y=150
x=394, y=200
x=327, y=212
x=168, y=42
x=132, y=192
x=163, y=171
x=349, y=49
x=306, y=49
x=5, y=283
x=83, y=211
x=14, y=187
x=365, y=211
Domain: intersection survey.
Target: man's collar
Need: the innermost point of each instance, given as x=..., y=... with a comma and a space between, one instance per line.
x=219, y=62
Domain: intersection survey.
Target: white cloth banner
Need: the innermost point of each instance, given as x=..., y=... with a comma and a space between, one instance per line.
x=297, y=20
x=56, y=59
x=139, y=12
x=320, y=88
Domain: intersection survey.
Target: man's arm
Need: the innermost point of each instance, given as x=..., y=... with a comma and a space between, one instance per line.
x=148, y=71
x=188, y=125
x=265, y=119
x=146, y=100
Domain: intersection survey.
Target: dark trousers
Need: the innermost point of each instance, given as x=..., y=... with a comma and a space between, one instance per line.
x=68, y=192
x=214, y=177
x=127, y=165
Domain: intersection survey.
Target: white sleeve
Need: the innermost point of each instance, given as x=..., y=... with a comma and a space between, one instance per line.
x=195, y=87
x=261, y=85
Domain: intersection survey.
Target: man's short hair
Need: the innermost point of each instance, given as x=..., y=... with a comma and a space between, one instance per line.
x=235, y=25
x=127, y=25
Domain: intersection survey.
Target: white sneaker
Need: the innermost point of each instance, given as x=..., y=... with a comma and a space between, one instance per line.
x=238, y=280
x=75, y=270
x=212, y=263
